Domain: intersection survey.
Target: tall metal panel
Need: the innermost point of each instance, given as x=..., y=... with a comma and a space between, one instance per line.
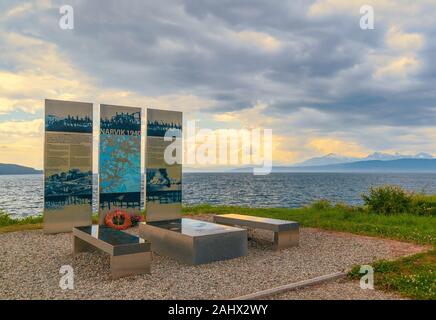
x=67, y=165
x=119, y=160
x=163, y=173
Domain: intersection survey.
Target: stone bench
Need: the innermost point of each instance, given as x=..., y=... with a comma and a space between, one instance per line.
x=129, y=254
x=286, y=233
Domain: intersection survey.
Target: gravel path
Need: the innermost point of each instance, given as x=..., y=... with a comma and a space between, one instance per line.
x=337, y=290
x=30, y=263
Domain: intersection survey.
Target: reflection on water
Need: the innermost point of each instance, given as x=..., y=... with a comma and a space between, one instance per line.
x=21, y=195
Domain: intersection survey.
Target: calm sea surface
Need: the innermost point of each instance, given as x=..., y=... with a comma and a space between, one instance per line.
x=22, y=195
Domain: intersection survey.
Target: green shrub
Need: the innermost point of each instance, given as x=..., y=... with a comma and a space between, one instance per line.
x=423, y=205
x=388, y=200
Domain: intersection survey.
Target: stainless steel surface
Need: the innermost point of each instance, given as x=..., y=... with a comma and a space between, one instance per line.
x=57, y=221
x=80, y=245
x=193, y=227
x=195, y=242
x=130, y=264
x=155, y=212
x=64, y=218
x=112, y=241
x=256, y=222
x=129, y=254
x=163, y=202
x=286, y=233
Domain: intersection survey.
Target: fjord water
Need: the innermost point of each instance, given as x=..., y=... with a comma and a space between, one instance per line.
x=22, y=195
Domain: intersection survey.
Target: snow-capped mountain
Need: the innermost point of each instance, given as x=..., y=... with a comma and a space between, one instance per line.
x=333, y=158
x=423, y=155
x=386, y=156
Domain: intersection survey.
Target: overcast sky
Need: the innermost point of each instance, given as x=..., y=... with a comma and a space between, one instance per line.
x=303, y=68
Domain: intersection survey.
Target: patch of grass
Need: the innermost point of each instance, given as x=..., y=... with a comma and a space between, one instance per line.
x=21, y=227
x=7, y=220
x=9, y=224
x=321, y=204
x=406, y=227
x=413, y=276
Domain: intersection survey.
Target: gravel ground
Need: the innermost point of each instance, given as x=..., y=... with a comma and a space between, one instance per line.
x=30, y=263
x=338, y=290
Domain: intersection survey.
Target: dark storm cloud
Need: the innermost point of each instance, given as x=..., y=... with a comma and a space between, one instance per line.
x=189, y=46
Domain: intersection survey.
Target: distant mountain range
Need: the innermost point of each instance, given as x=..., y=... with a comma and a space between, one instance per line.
x=6, y=168
x=333, y=158
x=375, y=162
x=400, y=165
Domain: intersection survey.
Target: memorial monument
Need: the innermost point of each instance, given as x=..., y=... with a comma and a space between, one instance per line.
x=68, y=188
x=67, y=165
x=187, y=240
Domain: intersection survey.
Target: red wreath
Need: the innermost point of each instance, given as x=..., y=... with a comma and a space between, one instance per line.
x=119, y=220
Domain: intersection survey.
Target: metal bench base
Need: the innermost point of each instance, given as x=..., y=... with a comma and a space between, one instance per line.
x=286, y=233
x=286, y=239
x=130, y=264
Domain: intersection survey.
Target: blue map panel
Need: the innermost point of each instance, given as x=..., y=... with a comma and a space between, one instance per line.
x=120, y=159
